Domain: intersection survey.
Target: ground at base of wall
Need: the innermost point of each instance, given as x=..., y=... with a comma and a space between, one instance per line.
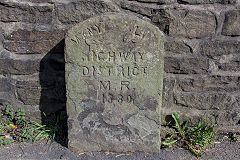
x=41, y=151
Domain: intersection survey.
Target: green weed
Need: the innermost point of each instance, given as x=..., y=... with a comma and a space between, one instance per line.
x=15, y=127
x=196, y=138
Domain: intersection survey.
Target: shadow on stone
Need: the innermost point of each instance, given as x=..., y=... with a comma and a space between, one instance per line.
x=53, y=93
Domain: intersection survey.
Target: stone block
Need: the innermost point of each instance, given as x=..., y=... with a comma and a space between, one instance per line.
x=158, y=1
x=177, y=47
x=232, y=66
x=202, y=100
x=82, y=9
x=186, y=65
x=16, y=12
x=207, y=1
x=5, y=85
x=137, y=8
x=231, y=26
x=114, y=72
x=215, y=83
x=219, y=48
x=185, y=23
x=42, y=91
x=168, y=88
x=19, y=66
x=29, y=42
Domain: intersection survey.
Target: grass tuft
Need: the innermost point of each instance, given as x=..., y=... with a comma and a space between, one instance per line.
x=197, y=138
x=14, y=127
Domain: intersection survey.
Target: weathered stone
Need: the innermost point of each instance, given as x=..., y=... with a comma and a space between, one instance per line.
x=207, y=1
x=82, y=9
x=40, y=42
x=15, y=12
x=17, y=66
x=158, y=1
x=233, y=65
x=40, y=47
x=231, y=26
x=46, y=90
x=177, y=47
x=137, y=8
x=202, y=100
x=29, y=93
x=35, y=35
x=185, y=23
x=219, y=48
x=208, y=83
x=5, y=85
x=41, y=1
x=168, y=88
x=185, y=65
x=114, y=71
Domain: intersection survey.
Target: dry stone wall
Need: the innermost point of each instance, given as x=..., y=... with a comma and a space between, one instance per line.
x=202, y=62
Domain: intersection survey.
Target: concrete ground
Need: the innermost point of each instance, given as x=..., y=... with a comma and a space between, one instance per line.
x=225, y=150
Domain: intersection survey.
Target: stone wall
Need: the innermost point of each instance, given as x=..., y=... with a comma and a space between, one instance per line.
x=202, y=63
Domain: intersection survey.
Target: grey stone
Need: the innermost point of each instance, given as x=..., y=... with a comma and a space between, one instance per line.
x=80, y=10
x=233, y=65
x=29, y=42
x=15, y=12
x=114, y=72
x=219, y=48
x=28, y=92
x=185, y=23
x=186, y=65
x=215, y=83
x=208, y=1
x=231, y=26
x=202, y=100
x=159, y=1
x=17, y=66
x=5, y=84
x=137, y=8
x=177, y=47
x=168, y=88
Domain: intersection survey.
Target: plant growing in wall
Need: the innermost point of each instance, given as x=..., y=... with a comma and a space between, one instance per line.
x=15, y=127
x=197, y=138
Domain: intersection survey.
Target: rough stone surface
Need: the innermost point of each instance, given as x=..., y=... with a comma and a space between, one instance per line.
x=207, y=1
x=137, y=8
x=185, y=23
x=158, y=1
x=202, y=101
x=231, y=26
x=13, y=12
x=219, y=48
x=177, y=47
x=208, y=83
x=185, y=65
x=81, y=10
x=30, y=42
x=5, y=84
x=114, y=71
x=19, y=66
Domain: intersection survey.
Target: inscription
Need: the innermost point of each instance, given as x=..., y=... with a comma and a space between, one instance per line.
x=118, y=98
x=124, y=71
x=113, y=56
x=105, y=85
x=107, y=97
x=94, y=29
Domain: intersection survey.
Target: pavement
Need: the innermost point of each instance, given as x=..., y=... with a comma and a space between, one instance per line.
x=225, y=150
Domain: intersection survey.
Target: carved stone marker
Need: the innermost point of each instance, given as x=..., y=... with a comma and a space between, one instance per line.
x=114, y=72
